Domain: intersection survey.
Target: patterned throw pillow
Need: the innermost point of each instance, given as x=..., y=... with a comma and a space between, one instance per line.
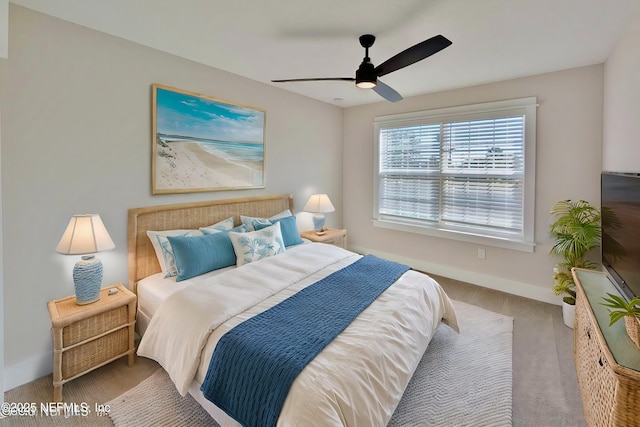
x=252, y=222
x=163, y=249
x=224, y=225
x=256, y=245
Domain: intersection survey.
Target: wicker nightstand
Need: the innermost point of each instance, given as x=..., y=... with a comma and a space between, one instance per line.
x=86, y=337
x=331, y=236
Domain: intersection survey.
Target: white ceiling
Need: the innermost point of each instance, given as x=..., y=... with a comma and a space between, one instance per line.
x=492, y=39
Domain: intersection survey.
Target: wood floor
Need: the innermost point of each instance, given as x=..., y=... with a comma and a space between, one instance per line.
x=545, y=391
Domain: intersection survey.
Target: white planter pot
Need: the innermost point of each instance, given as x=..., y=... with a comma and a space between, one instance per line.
x=568, y=314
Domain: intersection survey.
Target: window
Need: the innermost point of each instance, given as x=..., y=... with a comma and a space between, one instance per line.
x=465, y=173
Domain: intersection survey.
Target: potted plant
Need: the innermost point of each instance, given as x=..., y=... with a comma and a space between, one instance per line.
x=619, y=308
x=576, y=231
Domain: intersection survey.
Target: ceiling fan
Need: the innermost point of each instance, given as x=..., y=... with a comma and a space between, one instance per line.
x=367, y=75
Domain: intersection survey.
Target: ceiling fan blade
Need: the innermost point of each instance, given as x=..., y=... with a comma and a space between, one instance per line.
x=387, y=92
x=412, y=55
x=316, y=79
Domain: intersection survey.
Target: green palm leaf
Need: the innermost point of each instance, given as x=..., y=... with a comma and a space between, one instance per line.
x=619, y=308
x=576, y=231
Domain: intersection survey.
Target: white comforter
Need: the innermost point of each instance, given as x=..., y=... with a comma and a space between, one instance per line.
x=357, y=380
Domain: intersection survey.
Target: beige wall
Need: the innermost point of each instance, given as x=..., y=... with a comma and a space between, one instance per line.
x=4, y=28
x=568, y=151
x=76, y=138
x=621, y=142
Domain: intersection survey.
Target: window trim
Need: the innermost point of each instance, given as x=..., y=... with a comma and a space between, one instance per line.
x=526, y=106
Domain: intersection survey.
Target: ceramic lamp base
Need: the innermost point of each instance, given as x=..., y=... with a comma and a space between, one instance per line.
x=87, y=278
x=318, y=222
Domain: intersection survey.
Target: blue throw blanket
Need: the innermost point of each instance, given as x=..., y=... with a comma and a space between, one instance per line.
x=255, y=363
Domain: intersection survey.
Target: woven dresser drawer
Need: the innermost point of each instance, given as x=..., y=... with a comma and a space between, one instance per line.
x=86, y=337
x=595, y=377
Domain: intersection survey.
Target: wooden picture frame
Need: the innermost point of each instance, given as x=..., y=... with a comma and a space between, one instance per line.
x=201, y=143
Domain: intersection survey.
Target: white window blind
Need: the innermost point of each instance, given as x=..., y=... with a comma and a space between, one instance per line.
x=464, y=172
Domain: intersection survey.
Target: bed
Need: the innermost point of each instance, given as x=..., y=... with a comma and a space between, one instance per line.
x=357, y=379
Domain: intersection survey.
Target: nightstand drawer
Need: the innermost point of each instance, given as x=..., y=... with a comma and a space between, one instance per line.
x=94, y=353
x=93, y=326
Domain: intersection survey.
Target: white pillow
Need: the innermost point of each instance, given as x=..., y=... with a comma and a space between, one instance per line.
x=256, y=245
x=251, y=221
x=163, y=249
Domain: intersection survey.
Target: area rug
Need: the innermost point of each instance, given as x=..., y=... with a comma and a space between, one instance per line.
x=463, y=380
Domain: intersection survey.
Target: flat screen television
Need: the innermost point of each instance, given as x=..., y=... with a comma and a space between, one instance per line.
x=620, y=201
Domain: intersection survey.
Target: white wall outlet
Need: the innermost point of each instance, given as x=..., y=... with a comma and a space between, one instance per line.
x=481, y=253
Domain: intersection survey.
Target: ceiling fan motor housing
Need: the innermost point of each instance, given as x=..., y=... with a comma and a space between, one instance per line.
x=366, y=75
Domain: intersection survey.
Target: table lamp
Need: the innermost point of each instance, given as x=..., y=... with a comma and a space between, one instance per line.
x=318, y=204
x=85, y=235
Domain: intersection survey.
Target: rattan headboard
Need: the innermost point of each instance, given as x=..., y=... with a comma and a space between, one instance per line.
x=142, y=258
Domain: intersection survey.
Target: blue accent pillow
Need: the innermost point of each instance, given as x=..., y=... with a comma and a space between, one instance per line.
x=163, y=249
x=197, y=255
x=288, y=227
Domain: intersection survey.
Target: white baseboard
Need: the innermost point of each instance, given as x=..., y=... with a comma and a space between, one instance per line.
x=513, y=287
x=28, y=370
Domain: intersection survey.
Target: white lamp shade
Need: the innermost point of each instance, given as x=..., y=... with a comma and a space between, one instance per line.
x=85, y=234
x=319, y=203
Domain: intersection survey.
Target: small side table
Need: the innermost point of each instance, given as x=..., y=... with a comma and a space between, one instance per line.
x=332, y=236
x=86, y=337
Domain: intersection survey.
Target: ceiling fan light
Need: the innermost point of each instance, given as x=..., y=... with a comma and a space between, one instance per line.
x=366, y=75
x=366, y=85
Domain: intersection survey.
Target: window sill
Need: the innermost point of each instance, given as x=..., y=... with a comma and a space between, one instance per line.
x=494, y=241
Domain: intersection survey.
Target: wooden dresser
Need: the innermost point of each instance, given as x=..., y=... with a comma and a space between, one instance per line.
x=607, y=361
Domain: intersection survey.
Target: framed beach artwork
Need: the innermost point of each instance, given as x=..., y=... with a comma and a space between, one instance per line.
x=205, y=144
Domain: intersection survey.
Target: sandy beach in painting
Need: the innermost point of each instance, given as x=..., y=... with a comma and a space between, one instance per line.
x=185, y=165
